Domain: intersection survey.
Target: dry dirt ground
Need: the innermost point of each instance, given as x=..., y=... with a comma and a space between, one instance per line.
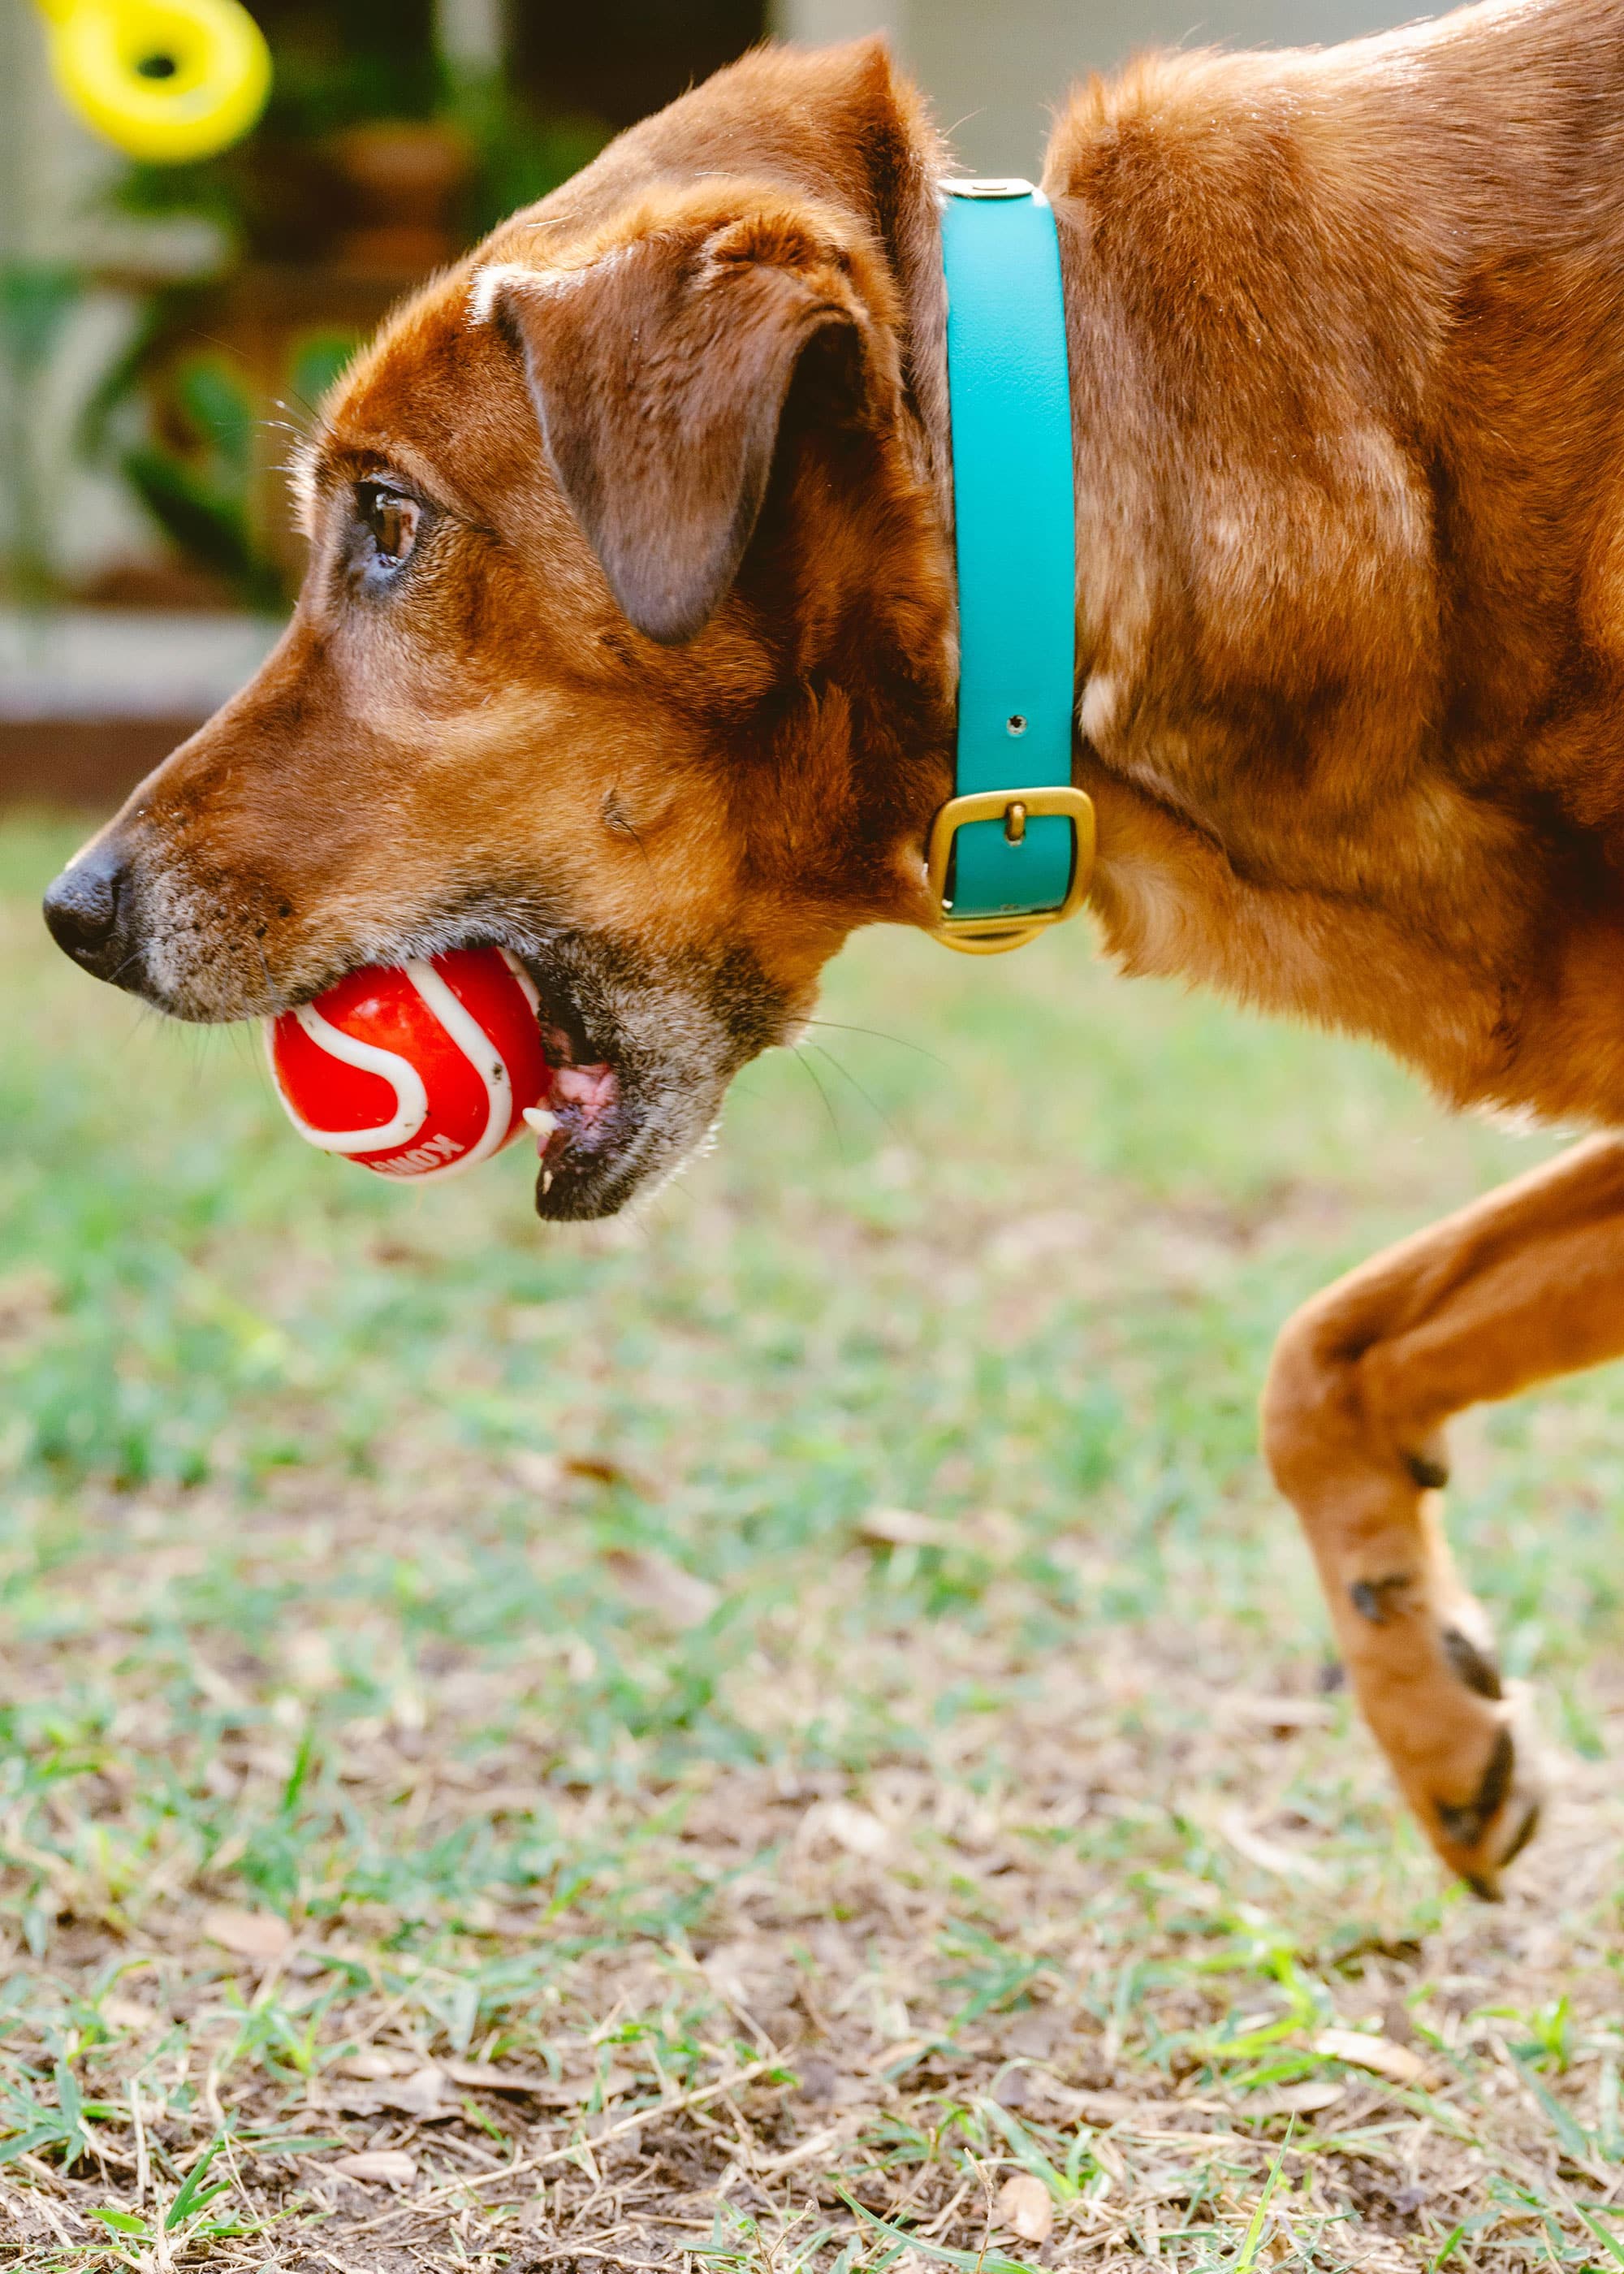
x=791, y=1734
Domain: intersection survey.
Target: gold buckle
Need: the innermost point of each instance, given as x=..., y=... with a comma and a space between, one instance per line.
x=1014, y=808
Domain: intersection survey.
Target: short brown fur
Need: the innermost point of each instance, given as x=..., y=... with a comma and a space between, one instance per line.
x=664, y=696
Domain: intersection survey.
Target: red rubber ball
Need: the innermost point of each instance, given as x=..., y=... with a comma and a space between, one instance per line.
x=417, y=1071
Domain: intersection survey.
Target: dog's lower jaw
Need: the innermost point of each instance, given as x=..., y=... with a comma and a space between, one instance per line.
x=588, y=1173
x=643, y=1052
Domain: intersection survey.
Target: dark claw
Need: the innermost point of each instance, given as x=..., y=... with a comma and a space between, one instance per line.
x=1369, y=1597
x=1430, y=1473
x=1466, y=1825
x=1475, y=1668
x=1525, y=1832
x=1485, y=1890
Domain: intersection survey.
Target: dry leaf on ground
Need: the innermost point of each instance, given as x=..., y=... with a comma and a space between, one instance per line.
x=373, y=2061
x=127, y=2012
x=1269, y=1854
x=663, y=1586
x=481, y=2074
x=389, y=2167
x=538, y=1472
x=900, y=1527
x=1308, y=2098
x=1025, y=2208
x=417, y=2095
x=1380, y=2055
x=247, y=1934
x=594, y=1469
x=849, y=1826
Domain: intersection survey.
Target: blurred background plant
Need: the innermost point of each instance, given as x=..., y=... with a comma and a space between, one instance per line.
x=36, y=299
x=162, y=328
x=397, y=132
x=388, y=144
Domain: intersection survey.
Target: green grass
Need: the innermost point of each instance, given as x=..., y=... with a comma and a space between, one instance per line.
x=506, y=1611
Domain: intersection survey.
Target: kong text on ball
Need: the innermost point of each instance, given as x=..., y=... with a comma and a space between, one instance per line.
x=418, y=1070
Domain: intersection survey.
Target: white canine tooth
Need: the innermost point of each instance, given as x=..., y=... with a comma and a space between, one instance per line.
x=538, y=1119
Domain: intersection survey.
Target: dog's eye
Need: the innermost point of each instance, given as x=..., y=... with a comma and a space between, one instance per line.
x=391, y=522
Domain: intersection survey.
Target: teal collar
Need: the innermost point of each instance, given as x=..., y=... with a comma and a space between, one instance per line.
x=1014, y=850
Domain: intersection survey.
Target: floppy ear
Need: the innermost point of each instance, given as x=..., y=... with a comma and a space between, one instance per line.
x=660, y=371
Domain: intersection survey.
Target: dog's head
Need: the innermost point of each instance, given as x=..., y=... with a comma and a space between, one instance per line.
x=625, y=641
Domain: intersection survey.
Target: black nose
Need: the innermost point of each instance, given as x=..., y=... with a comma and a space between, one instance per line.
x=83, y=908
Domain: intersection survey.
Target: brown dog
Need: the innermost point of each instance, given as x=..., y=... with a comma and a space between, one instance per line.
x=627, y=642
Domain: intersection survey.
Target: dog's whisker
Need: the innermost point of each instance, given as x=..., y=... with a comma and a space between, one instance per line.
x=810, y=1071
x=878, y=1034
x=873, y=1103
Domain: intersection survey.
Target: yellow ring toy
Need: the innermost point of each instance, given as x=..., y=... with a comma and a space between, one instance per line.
x=166, y=80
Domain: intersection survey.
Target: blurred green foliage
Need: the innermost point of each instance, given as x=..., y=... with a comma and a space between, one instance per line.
x=201, y=498
x=36, y=299
x=272, y=195
x=278, y=197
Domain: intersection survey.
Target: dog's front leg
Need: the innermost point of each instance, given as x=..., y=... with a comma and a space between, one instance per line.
x=1526, y=1285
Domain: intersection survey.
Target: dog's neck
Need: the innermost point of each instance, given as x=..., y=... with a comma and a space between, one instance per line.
x=1345, y=362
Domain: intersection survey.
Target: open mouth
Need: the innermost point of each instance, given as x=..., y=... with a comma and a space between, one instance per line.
x=623, y=1109
x=635, y=1064
x=642, y=1050
x=583, y=1126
